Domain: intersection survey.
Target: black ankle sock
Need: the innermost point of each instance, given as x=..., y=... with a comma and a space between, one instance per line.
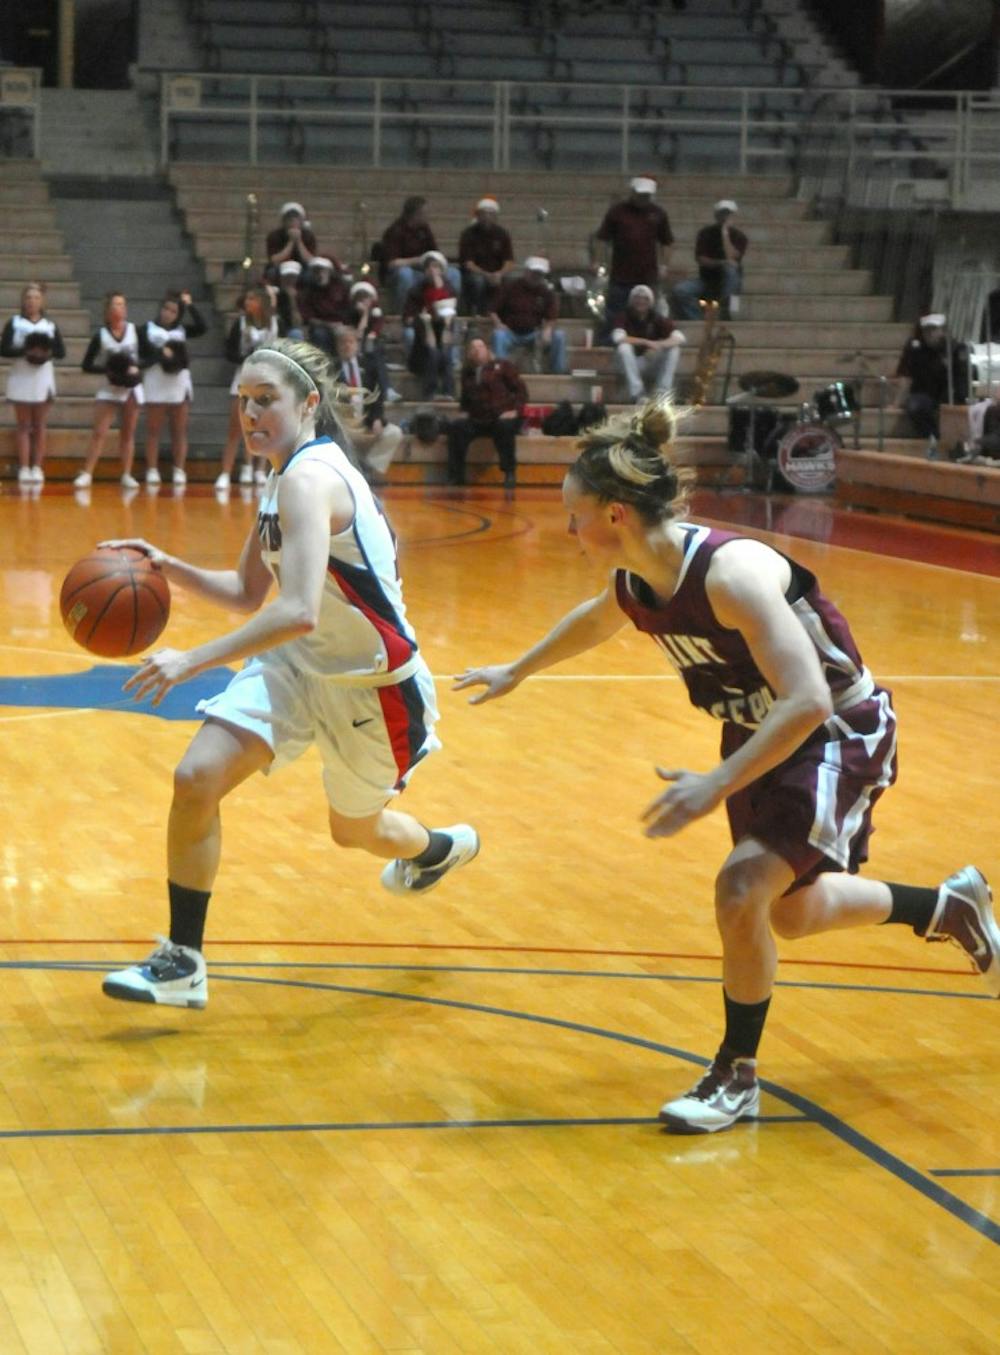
x=912, y=905
x=744, y=1027
x=437, y=849
x=187, y=915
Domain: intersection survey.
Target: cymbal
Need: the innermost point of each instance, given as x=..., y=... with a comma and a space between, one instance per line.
x=769, y=385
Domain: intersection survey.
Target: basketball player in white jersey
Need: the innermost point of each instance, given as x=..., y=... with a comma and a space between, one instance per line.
x=331, y=660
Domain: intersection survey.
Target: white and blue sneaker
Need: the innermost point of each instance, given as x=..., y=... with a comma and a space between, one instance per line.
x=964, y=915
x=728, y=1092
x=406, y=877
x=174, y=976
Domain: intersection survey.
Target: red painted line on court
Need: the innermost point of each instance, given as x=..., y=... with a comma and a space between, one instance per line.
x=465, y=946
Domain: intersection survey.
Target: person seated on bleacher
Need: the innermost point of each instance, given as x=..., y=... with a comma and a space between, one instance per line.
x=429, y=315
x=485, y=252
x=324, y=303
x=924, y=360
x=647, y=347
x=293, y=239
x=525, y=316
x=405, y=245
x=286, y=300
x=368, y=321
x=640, y=237
x=983, y=445
x=375, y=441
x=718, y=252
x=492, y=398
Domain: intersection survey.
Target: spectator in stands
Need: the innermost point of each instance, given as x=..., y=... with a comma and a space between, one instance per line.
x=256, y=324
x=167, y=382
x=375, y=441
x=405, y=244
x=647, y=347
x=492, y=397
x=114, y=353
x=290, y=322
x=718, y=251
x=429, y=313
x=640, y=237
x=324, y=303
x=485, y=253
x=527, y=309
x=924, y=361
x=31, y=340
x=293, y=239
x=367, y=320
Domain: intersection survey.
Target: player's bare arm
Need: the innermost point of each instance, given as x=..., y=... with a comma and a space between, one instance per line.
x=585, y=627
x=242, y=589
x=746, y=586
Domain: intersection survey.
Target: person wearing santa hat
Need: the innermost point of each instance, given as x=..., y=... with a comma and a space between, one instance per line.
x=293, y=239
x=525, y=316
x=647, y=347
x=367, y=320
x=324, y=302
x=925, y=361
x=405, y=245
x=639, y=235
x=718, y=252
x=485, y=253
x=429, y=314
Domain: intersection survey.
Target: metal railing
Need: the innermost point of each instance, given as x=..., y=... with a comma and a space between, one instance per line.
x=884, y=138
x=20, y=112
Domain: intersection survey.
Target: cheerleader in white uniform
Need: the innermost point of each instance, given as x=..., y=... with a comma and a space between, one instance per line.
x=256, y=324
x=114, y=353
x=167, y=379
x=31, y=340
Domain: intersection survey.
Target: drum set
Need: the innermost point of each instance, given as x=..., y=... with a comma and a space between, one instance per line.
x=785, y=450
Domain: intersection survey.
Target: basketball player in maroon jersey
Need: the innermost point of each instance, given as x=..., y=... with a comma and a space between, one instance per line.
x=808, y=737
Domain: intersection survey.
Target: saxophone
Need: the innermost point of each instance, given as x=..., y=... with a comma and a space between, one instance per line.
x=714, y=338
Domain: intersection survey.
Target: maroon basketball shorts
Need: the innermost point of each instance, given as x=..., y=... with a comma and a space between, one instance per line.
x=815, y=808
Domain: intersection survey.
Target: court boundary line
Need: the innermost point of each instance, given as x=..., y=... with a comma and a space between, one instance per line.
x=922, y=1183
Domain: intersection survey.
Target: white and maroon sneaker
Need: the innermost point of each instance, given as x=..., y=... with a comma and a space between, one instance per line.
x=728, y=1092
x=964, y=916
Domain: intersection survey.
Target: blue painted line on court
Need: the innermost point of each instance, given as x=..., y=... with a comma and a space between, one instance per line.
x=966, y=1171
x=809, y=1110
x=98, y=966
x=351, y=1126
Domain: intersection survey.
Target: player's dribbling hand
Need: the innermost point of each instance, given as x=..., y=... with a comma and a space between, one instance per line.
x=157, y=557
x=691, y=795
x=159, y=672
x=498, y=679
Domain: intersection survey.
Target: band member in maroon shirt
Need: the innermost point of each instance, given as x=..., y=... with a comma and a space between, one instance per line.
x=808, y=736
x=640, y=237
x=485, y=253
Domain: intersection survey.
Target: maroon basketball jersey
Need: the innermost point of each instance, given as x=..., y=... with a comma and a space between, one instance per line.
x=715, y=662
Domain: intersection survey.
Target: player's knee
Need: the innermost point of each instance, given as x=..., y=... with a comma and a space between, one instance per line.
x=196, y=784
x=739, y=900
x=356, y=833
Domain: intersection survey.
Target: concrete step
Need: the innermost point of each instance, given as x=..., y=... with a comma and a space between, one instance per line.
x=22, y=194
x=23, y=242
x=58, y=295
x=22, y=268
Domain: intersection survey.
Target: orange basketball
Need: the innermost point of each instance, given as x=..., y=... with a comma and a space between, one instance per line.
x=113, y=602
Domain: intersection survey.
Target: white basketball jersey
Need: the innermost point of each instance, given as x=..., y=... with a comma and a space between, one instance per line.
x=362, y=629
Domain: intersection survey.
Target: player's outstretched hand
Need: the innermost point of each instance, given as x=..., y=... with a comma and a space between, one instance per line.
x=690, y=796
x=498, y=679
x=157, y=557
x=159, y=672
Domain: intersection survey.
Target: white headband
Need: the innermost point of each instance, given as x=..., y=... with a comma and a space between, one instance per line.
x=933, y=321
x=277, y=353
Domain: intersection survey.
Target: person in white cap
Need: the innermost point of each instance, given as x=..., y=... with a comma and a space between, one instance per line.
x=647, y=347
x=526, y=314
x=924, y=360
x=289, y=280
x=324, y=302
x=718, y=252
x=485, y=253
x=375, y=440
x=367, y=319
x=638, y=232
x=429, y=314
x=405, y=244
x=293, y=239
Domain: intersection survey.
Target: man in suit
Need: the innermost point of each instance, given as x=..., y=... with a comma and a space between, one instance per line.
x=375, y=441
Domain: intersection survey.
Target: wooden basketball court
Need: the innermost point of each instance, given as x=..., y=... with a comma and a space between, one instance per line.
x=429, y=1125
